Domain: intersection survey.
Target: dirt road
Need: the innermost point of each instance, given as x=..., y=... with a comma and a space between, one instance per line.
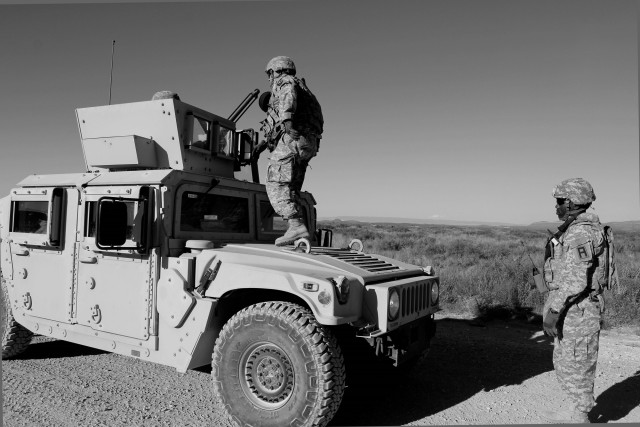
x=491, y=373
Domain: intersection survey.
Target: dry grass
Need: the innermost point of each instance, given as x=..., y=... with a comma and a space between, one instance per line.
x=486, y=270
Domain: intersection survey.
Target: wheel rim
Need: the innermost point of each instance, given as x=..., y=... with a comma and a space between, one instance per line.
x=266, y=375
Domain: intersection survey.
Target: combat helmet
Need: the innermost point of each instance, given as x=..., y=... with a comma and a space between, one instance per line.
x=165, y=94
x=578, y=190
x=280, y=63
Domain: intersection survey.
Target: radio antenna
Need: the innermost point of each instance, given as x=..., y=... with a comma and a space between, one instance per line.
x=113, y=46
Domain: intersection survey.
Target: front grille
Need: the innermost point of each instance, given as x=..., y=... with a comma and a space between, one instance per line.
x=414, y=298
x=360, y=260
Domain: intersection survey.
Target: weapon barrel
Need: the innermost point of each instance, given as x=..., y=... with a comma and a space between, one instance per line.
x=244, y=105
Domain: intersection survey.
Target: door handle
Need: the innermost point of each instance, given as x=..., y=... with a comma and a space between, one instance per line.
x=89, y=260
x=21, y=252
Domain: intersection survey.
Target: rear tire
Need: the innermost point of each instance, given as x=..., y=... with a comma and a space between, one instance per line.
x=274, y=365
x=15, y=337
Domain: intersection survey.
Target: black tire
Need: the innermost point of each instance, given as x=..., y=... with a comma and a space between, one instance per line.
x=275, y=365
x=15, y=337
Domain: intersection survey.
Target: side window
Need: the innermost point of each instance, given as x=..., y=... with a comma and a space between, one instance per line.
x=30, y=217
x=39, y=219
x=198, y=133
x=224, y=144
x=214, y=213
x=117, y=223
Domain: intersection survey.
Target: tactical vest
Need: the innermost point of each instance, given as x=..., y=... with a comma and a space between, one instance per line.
x=602, y=274
x=307, y=118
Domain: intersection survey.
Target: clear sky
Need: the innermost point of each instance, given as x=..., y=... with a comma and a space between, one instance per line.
x=456, y=109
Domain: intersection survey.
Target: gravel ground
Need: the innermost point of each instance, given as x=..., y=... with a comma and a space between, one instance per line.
x=495, y=372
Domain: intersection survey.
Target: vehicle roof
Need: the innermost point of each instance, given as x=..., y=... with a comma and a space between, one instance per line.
x=142, y=177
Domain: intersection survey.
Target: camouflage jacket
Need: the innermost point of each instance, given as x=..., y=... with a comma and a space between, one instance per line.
x=291, y=99
x=573, y=270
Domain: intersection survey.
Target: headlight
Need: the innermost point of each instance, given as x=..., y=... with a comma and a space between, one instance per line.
x=394, y=304
x=324, y=298
x=435, y=293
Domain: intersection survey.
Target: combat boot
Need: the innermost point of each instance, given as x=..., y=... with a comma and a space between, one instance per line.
x=566, y=416
x=297, y=230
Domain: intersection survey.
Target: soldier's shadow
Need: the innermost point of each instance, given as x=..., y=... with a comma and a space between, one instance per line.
x=465, y=358
x=617, y=401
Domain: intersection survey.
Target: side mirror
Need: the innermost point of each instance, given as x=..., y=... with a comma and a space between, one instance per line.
x=245, y=142
x=112, y=224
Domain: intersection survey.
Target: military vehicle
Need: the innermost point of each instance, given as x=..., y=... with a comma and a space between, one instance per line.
x=158, y=252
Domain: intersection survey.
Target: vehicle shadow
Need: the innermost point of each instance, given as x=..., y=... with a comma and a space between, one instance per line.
x=50, y=348
x=466, y=357
x=617, y=401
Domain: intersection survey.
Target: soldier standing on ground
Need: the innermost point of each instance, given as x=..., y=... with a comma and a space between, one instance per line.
x=577, y=270
x=294, y=127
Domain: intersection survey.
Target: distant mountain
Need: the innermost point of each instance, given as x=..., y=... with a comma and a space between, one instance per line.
x=625, y=225
x=394, y=220
x=544, y=225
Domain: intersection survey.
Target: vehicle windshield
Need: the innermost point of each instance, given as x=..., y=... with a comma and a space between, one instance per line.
x=214, y=213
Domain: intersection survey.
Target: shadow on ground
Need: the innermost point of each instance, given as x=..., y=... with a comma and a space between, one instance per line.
x=466, y=357
x=49, y=348
x=617, y=401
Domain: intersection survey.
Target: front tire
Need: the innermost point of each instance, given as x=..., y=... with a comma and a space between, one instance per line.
x=274, y=365
x=15, y=337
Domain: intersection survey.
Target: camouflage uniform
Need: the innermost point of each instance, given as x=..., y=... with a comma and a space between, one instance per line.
x=290, y=100
x=576, y=273
x=569, y=272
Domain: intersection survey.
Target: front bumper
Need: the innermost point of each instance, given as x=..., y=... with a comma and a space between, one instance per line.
x=406, y=343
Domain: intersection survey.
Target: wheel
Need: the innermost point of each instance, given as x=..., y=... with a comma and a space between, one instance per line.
x=274, y=365
x=15, y=337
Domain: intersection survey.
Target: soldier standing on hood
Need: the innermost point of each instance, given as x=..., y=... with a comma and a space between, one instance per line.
x=292, y=129
x=578, y=267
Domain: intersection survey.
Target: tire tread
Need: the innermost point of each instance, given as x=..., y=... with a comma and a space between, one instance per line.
x=319, y=340
x=15, y=337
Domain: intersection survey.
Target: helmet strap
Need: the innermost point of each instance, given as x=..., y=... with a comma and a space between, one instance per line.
x=573, y=214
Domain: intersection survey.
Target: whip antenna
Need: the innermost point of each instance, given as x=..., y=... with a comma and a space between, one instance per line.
x=113, y=46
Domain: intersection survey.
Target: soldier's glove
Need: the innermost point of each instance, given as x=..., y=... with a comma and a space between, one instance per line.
x=289, y=130
x=550, y=323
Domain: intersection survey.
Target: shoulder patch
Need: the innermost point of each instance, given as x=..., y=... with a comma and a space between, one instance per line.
x=583, y=251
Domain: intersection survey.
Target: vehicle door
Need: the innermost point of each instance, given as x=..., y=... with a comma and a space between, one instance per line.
x=116, y=265
x=42, y=241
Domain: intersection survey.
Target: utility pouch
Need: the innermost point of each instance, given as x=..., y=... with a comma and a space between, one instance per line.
x=541, y=286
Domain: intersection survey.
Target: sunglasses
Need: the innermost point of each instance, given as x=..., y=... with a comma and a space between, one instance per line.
x=561, y=200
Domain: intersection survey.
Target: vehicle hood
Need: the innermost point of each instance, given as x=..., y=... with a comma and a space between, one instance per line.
x=370, y=268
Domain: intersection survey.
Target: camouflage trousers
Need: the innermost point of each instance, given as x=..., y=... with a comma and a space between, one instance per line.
x=285, y=175
x=574, y=360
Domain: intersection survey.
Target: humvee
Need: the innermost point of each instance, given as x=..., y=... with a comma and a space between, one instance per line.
x=158, y=252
